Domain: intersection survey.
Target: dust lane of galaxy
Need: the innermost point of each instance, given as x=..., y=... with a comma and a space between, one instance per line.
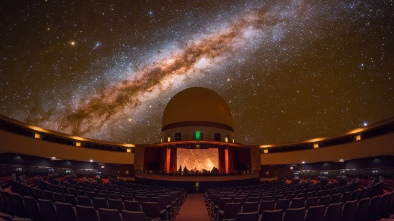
x=95, y=110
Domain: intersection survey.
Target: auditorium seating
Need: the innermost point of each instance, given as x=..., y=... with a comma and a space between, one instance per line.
x=55, y=200
x=334, y=203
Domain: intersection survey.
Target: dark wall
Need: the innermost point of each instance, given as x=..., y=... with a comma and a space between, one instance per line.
x=202, y=186
x=380, y=162
x=267, y=171
x=126, y=170
x=24, y=160
x=242, y=159
x=152, y=158
x=32, y=164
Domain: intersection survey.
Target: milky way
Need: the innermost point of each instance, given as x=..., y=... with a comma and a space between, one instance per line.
x=94, y=111
x=255, y=47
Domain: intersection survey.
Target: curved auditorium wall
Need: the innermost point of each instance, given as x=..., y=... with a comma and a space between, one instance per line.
x=15, y=143
x=375, y=146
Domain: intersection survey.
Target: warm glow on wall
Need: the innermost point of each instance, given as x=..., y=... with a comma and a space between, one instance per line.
x=358, y=130
x=357, y=137
x=168, y=139
x=77, y=138
x=128, y=150
x=38, y=129
x=128, y=145
x=78, y=144
x=315, y=139
x=37, y=135
x=315, y=145
x=266, y=151
x=266, y=146
x=226, y=139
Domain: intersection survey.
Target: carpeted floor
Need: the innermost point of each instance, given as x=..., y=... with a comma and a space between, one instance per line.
x=193, y=209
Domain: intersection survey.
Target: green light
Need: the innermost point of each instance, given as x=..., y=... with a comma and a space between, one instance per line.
x=198, y=135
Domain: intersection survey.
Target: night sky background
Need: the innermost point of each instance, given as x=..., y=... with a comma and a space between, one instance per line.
x=289, y=70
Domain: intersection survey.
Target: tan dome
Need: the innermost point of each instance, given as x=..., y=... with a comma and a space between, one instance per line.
x=197, y=106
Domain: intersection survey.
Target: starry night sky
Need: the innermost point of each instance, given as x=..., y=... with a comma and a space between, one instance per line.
x=289, y=70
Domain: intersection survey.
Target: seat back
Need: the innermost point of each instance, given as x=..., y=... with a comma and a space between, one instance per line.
x=222, y=202
x=18, y=205
x=132, y=205
x=311, y=201
x=65, y=212
x=315, y=213
x=294, y=214
x=102, y=195
x=141, y=199
x=47, y=209
x=252, y=216
x=362, y=209
x=86, y=213
x=266, y=205
x=324, y=200
x=133, y=215
x=390, y=206
x=32, y=209
x=272, y=215
x=58, y=197
x=290, y=196
x=267, y=198
x=333, y=212
x=48, y=195
x=355, y=195
x=297, y=203
x=231, y=210
x=373, y=211
x=99, y=203
x=90, y=194
x=127, y=197
x=69, y=198
x=383, y=212
x=84, y=201
x=109, y=214
x=254, y=199
x=346, y=196
x=113, y=196
x=335, y=198
x=250, y=207
x=349, y=210
x=151, y=209
x=283, y=204
x=116, y=204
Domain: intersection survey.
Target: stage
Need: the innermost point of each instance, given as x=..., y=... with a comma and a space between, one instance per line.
x=198, y=183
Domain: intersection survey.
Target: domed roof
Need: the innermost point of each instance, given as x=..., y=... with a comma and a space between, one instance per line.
x=197, y=106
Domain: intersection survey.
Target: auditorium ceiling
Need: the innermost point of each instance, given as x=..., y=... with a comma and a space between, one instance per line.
x=289, y=70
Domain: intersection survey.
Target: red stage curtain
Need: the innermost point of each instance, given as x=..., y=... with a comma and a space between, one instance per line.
x=231, y=156
x=222, y=160
x=173, y=160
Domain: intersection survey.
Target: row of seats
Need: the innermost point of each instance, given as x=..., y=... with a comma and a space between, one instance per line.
x=47, y=211
x=167, y=201
x=258, y=199
x=359, y=210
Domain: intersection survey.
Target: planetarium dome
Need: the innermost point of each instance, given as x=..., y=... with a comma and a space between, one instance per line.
x=197, y=109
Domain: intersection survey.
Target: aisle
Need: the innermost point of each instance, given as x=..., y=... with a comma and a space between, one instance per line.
x=193, y=209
